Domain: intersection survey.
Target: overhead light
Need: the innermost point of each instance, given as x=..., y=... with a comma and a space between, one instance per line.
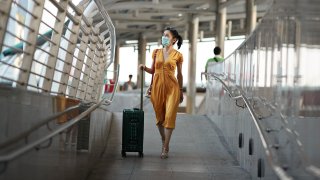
x=132, y=42
x=179, y=14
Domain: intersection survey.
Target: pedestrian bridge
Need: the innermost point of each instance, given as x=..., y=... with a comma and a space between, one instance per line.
x=258, y=119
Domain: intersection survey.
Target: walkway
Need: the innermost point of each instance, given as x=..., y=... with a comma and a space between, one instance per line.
x=196, y=152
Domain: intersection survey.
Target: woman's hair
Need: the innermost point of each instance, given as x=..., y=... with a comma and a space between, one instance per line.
x=176, y=35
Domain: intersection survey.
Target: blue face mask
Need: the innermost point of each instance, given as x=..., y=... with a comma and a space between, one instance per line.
x=165, y=41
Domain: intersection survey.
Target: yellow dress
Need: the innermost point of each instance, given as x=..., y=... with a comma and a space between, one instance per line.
x=165, y=93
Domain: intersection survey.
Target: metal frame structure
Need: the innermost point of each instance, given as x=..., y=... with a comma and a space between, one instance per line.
x=59, y=48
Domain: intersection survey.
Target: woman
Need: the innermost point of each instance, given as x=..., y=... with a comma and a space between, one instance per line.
x=166, y=93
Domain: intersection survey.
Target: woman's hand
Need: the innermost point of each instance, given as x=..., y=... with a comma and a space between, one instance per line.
x=142, y=66
x=181, y=96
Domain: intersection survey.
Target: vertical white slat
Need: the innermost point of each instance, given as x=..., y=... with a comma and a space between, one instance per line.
x=81, y=55
x=54, y=48
x=70, y=53
x=97, y=81
x=93, y=70
x=5, y=7
x=92, y=47
x=101, y=66
x=99, y=62
x=93, y=73
x=30, y=49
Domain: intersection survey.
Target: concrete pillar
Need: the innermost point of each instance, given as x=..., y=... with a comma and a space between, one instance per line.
x=116, y=60
x=241, y=24
x=142, y=43
x=191, y=85
x=251, y=16
x=221, y=26
x=229, y=29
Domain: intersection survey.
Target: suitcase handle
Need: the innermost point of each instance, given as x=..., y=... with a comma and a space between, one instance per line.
x=141, y=96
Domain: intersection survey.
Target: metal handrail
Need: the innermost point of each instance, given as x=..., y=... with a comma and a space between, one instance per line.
x=14, y=154
x=280, y=172
x=37, y=126
x=224, y=85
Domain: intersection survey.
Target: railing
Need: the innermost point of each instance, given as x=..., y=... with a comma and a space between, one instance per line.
x=237, y=94
x=13, y=154
x=274, y=68
x=272, y=159
x=56, y=47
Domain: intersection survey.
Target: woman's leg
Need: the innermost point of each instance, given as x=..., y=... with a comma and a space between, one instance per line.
x=168, y=133
x=162, y=134
x=165, y=150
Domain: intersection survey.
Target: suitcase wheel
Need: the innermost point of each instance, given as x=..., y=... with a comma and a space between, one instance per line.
x=123, y=154
x=141, y=154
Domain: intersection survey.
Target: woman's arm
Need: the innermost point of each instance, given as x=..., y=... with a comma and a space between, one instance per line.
x=149, y=70
x=179, y=75
x=180, y=80
x=145, y=68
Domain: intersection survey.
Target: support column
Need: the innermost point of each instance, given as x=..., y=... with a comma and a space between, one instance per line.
x=221, y=26
x=191, y=85
x=116, y=61
x=251, y=16
x=142, y=43
x=229, y=29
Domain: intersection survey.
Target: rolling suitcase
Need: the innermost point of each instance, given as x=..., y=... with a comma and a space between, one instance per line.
x=133, y=128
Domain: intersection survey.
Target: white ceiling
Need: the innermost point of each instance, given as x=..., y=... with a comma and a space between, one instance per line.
x=150, y=17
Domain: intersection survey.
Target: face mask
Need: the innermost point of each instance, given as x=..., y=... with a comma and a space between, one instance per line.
x=165, y=41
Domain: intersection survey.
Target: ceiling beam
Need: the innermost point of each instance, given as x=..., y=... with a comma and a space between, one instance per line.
x=174, y=2
x=142, y=20
x=228, y=3
x=144, y=14
x=149, y=5
x=230, y=16
x=154, y=37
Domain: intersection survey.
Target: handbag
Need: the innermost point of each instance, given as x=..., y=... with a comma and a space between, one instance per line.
x=148, y=92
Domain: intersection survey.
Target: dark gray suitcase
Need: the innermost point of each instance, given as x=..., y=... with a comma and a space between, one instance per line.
x=133, y=128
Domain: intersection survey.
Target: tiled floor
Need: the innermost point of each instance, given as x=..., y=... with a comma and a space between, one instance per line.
x=195, y=153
